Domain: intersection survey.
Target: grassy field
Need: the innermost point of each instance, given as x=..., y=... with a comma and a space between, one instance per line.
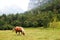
x=31, y=34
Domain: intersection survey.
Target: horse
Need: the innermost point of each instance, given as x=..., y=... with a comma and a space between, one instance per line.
x=19, y=29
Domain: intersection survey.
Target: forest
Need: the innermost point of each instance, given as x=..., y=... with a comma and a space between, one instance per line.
x=40, y=16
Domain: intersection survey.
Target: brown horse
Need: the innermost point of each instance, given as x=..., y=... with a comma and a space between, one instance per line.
x=19, y=29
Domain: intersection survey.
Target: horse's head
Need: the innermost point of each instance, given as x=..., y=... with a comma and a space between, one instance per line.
x=23, y=32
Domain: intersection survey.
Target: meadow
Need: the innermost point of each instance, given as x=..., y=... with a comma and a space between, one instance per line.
x=32, y=34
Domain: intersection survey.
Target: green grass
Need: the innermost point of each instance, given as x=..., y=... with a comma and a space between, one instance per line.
x=32, y=34
x=55, y=25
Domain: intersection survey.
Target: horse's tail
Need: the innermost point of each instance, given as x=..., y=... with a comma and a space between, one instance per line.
x=13, y=29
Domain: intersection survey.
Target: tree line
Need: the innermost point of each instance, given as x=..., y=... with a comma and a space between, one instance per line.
x=38, y=17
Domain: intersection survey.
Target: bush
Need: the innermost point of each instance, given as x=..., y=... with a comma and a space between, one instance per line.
x=7, y=27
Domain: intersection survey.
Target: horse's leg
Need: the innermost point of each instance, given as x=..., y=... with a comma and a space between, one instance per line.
x=16, y=32
x=19, y=33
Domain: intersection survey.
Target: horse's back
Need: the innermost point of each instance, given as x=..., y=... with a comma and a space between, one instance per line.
x=17, y=28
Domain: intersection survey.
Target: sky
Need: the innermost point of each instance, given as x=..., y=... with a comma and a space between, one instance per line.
x=13, y=6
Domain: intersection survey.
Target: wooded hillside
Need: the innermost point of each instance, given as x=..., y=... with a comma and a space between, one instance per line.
x=38, y=17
